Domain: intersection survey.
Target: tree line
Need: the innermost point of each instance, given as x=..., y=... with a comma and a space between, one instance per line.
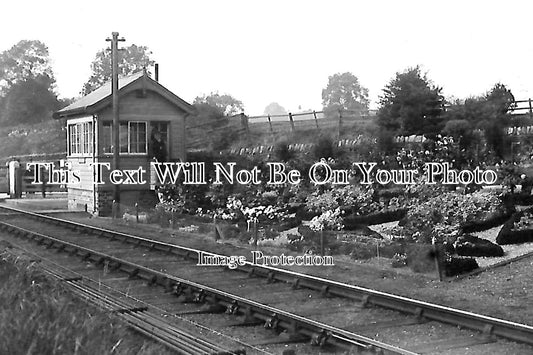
x=410, y=102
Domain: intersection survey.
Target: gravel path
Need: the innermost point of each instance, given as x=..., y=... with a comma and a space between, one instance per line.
x=511, y=251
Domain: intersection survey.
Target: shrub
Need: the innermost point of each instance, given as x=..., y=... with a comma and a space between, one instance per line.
x=324, y=148
x=455, y=266
x=282, y=151
x=399, y=260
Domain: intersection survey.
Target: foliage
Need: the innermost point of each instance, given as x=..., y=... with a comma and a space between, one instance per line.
x=25, y=60
x=344, y=92
x=357, y=197
x=26, y=84
x=324, y=148
x=30, y=100
x=461, y=130
x=282, y=152
x=220, y=105
x=487, y=112
x=328, y=220
x=442, y=215
x=213, y=113
x=399, y=260
x=37, y=315
x=130, y=60
x=411, y=104
x=524, y=222
x=275, y=109
x=38, y=138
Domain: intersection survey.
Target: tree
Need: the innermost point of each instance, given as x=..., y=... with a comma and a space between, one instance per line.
x=220, y=105
x=488, y=112
x=411, y=104
x=344, y=92
x=27, y=84
x=26, y=59
x=29, y=101
x=130, y=60
x=275, y=109
x=213, y=112
x=460, y=130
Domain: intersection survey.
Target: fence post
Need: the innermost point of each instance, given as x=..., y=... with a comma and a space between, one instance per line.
x=316, y=120
x=292, y=122
x=114, y=209
x=437, y=258
x=255, y=234
x=137, y=212
x=340, y=123
x=530, y=109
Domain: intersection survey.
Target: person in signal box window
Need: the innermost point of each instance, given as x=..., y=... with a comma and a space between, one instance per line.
x=158, y=148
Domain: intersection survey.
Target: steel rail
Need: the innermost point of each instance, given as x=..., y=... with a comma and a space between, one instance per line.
x=137, y=318
x=488, y=325
x=319, y=333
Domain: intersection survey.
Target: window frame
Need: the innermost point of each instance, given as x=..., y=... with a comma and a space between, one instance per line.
x=80, y=137
x=128, y=124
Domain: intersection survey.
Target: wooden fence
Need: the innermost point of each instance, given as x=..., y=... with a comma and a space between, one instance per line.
x=250, y=128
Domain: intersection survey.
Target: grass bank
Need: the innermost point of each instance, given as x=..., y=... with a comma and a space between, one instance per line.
x=38, y=316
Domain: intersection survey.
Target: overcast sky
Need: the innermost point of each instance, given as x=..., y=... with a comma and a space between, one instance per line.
x=284, y=51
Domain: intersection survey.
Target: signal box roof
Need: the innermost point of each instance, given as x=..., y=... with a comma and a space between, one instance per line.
x=102, y=98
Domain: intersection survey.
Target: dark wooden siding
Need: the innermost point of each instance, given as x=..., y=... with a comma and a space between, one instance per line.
x=152, y=107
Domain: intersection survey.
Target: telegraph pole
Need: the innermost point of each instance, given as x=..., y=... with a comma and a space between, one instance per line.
x=114, y=92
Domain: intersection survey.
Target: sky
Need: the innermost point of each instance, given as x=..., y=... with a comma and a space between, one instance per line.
x=284, y=51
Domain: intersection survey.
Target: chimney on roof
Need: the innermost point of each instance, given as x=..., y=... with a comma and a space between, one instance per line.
x=156, y=72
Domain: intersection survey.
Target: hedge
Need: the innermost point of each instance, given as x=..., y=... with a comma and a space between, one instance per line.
x=509, y=236
x=518, y=199
x=484, y=224
x=469, y=245
x=353, y=221
x=456, y=265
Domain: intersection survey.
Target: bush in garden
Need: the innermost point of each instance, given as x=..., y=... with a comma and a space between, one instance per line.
x=399, y=260
x=282, y=152
x=356, y=198
x=443, y=215
x=324, y=148
x=328, y=220
x=456, y=265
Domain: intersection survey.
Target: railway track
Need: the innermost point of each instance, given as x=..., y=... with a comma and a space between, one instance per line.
x=303, y=309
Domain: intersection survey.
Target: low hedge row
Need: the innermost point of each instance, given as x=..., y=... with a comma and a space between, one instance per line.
x=454, y=266
x=469, y=245
x=488, y=223
x=517, y=199
x=353, y=222
x=509, y=236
